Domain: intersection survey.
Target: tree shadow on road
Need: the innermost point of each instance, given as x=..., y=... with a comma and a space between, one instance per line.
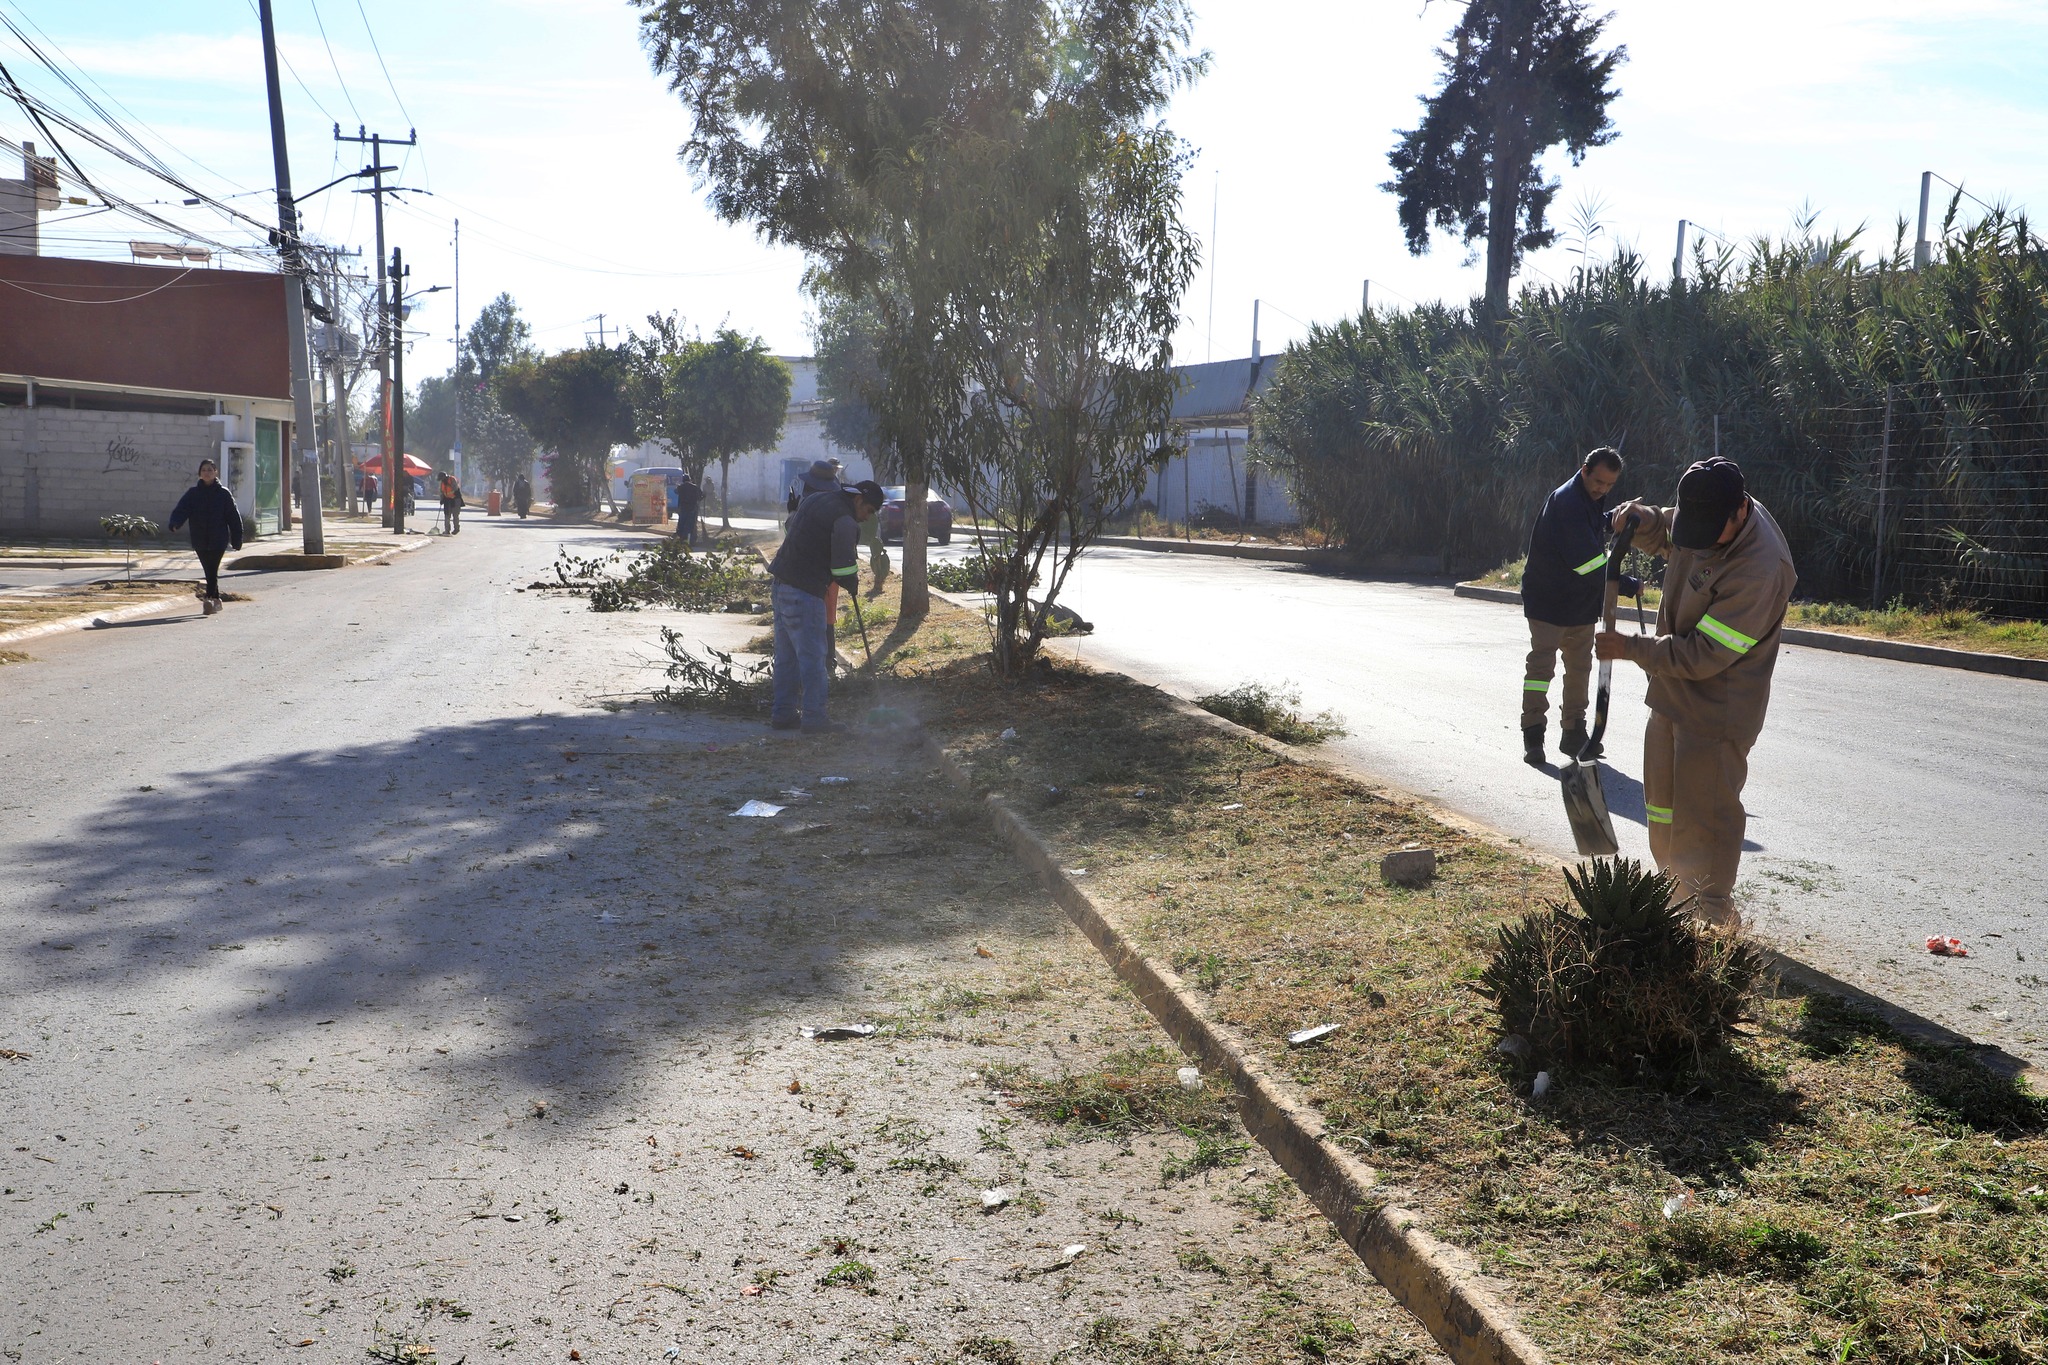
x=567, y=896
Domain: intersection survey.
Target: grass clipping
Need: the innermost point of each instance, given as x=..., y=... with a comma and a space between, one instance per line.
x=1836, y=1191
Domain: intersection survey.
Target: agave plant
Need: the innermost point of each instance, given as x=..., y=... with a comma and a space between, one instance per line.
x=1624, y=976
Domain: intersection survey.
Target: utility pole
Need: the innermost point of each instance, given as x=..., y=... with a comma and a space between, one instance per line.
x=599, y=320
x=378, y=142
x=1365, y=301
x=307, y=476
x=456, y=450
x=1923, y=250
x=397, y=315
x=1678, y=258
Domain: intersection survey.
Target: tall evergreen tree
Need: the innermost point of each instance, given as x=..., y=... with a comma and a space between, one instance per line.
x=1520, y=77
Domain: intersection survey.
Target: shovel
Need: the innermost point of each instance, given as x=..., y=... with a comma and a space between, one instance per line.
x=1585, y=804
x=878, y=714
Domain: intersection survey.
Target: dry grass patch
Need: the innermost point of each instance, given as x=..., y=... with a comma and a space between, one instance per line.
x=1838, y=1192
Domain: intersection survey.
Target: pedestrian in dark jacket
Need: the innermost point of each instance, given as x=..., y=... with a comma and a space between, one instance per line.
x=209, y=509
x=522, y=495
x=1564, y=590
x=820, y=553
x=451, y=505
x=689, y=502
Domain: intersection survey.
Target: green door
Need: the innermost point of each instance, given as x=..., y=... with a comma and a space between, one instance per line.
x=269, y=510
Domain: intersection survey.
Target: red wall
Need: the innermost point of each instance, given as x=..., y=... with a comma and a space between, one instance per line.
x=144, y=326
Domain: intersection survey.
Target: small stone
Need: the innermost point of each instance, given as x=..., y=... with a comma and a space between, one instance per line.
x=1411, y=867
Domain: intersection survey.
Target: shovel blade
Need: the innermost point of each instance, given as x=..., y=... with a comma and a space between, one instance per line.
x=1585, y=805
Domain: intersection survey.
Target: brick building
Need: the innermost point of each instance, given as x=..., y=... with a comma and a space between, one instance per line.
x=117, y=379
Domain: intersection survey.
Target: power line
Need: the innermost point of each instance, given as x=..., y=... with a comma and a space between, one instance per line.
x=293, y=69
x=338, y=80
x=389, y=83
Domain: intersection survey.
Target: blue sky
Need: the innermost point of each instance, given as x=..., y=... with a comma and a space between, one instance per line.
x=542, y=128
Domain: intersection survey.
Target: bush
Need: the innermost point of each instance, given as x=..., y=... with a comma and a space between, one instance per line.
x=718, y=682
x=668, y=575
x=976, y=573
x=1273, y=711
x=1626, y=974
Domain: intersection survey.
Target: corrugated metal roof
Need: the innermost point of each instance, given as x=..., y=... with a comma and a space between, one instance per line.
x=1218, y=392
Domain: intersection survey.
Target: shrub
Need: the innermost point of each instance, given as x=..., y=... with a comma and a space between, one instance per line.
x=130, y=528
x=976, y=573
x=1622, y=974
x=667, y=575
x=719, y=682
x=1273, y=711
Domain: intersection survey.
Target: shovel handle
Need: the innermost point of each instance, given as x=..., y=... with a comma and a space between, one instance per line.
x=1617, y=550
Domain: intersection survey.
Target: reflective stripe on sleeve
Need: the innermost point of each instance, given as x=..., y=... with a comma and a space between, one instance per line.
x=1536, y=684
x=1659, y=815
x=1595, y=562
x=846, y=572
x=1726, y=635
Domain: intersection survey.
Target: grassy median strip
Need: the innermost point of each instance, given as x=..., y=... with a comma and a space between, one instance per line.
x=19, y=612
x=1818, y=1189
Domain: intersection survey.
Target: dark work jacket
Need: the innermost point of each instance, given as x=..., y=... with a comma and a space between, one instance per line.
x=1564, y=582
x=689, y=497
x=214, y=518
x=821, y=544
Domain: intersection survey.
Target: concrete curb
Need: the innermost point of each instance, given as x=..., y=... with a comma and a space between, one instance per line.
x=1436, y=1282
x=133, y=612
x=1899, y=651
x=1282, y=554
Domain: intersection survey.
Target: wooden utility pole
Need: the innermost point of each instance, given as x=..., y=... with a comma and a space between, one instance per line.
x=386, y=328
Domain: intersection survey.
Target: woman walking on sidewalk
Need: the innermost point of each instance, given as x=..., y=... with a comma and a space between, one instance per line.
x=216, y=527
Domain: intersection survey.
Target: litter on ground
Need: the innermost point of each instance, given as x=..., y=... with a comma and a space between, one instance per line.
x=1541, y=1087
x=1190, y=1079
x=1946, y=947
x=763, y=809
x=826, y=1033
x=991, y=1200
x=1303, y=1037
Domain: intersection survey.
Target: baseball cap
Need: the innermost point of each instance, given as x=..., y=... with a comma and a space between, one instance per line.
x=1708, y=494
x=868, y=489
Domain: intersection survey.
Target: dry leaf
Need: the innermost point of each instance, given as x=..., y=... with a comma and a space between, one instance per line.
x=745, y=1153
x=796, y=1087
x=980, y=951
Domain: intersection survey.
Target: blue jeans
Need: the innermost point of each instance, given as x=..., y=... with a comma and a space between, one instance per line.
x=803, y=652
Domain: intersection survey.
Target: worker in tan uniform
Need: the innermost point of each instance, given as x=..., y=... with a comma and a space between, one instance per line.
x=1726, y=586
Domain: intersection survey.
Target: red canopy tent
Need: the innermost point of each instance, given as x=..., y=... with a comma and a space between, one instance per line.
x=375, y=465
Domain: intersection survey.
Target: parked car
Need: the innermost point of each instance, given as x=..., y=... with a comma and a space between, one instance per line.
x=938, y=516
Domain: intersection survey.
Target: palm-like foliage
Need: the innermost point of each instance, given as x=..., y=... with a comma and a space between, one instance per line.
x=1403, y=434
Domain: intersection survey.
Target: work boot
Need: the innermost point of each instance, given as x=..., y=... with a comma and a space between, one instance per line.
x=1532, y=745
x=209, y=605
x=1572, y=744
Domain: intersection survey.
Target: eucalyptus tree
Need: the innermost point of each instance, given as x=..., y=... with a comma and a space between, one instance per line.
x=834, y=126
x=1519, y=77
x=1067, y=281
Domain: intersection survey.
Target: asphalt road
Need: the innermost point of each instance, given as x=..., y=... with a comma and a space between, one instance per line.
x=1887, y=801
x=375, y=974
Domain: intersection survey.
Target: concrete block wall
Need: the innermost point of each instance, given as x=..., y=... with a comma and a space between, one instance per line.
x=62, y=469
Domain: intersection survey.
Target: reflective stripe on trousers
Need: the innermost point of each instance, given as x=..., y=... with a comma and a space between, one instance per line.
x=1546, y=642
x=1692, y=790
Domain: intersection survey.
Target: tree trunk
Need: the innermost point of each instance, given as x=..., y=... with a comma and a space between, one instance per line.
x=1503, y=225
x=725, y=490
x=917, y=591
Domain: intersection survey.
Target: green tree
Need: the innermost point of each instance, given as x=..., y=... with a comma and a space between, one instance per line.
x=499, y=337
x=845, y=335
x=655, y=362
x=733, y=396
x=1066, y=289
x=1520, y=77
x=578, y=406
x=828, y=124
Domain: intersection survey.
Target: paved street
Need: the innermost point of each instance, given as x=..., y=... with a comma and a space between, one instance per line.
x=1887, y=801
x=376, y=975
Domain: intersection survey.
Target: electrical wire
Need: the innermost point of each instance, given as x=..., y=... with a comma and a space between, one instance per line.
x=389, y=83
x=131, y=298
x=322, y=25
